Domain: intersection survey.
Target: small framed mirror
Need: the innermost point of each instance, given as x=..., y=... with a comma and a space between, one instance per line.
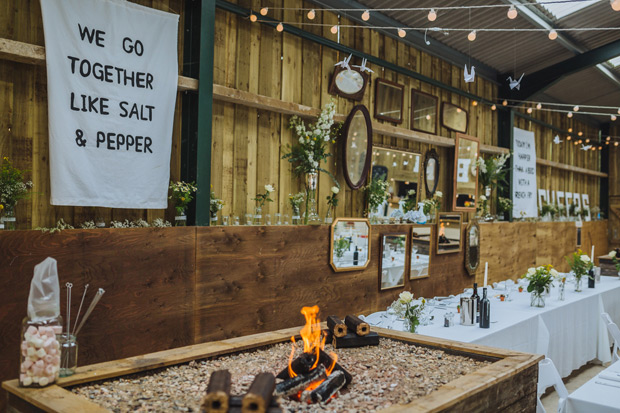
x=393, y=261
x=421, y=248
x=423, y=112
x=431, y=172
x=349, y=244
x=454, y=117
x=357, y=143
x=472, y=247
x=449, y=232
x=389, y=98
x=465, y=173
x=401, y=169
x=348, y=83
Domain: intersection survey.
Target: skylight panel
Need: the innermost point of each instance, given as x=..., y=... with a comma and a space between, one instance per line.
x=615, y=61
x=563, y=9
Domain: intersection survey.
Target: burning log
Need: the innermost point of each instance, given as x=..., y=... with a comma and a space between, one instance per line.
x=259, y=396
x=293, y=386
x=353, y=340
x=327, y=389
x=336, y=326
x=361, y=328
x=303, y=364
x=218, y=393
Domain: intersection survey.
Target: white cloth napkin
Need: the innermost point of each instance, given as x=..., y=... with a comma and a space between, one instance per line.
x=610, y=376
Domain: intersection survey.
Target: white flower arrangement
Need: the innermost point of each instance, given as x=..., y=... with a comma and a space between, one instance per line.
x=404, y=308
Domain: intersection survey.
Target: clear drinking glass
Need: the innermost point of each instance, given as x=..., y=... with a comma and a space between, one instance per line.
x=68, y=354
x=267, y=219
x=248, y=219
x=278, y=218
x=225, y=220
x=236, y=220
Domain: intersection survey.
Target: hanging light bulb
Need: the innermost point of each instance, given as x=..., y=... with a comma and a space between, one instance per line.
x=474, y=103
x=529, y=110
x=432, y=15
x=311, y=14
x=570, y=114
x=280, y=27
x=366, y=15
x=579, y=133
x=588, y=140
x=615, y=143
x=471, y=36
x=600, y=148
x=334, y=29
x=607, y=143
x=402, y=33
x=253, y=17
x=613, y=118
x=576, y=108
x=505, y=102
x=608, y=138
x=618, y=111
x=264, y=11
x=428, y=117
x=580, y=141
x=615, y=5
x=512, y=13
x=493, y=107
x=568, y=138
x=553, y=35
x=538, y=106
x=570, y=129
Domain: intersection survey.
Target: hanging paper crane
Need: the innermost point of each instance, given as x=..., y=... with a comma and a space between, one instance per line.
x=345, y=63
x=585, y=147
x=470, y=77
x=363, y=67
x=515, y=84
x=557, y=140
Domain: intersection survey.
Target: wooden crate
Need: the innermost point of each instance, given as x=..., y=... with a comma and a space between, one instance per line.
x=509, y=383
x=607, y=266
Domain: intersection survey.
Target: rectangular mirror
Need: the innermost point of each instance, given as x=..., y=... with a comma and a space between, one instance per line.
x=449, y=232
x=402, y=171
x=389, y=97
x=421, y=247
x=423, y=112
x=393, y=260
x=453, y=117
x=465, y=173
x=349, y=244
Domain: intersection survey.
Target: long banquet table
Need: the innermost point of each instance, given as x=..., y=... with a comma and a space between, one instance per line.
x=570, y=332
x=601, y=394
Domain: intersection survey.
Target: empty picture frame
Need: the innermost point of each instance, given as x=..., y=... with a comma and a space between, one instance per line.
x=454, y=117
x=389, y=98
x=423, y=112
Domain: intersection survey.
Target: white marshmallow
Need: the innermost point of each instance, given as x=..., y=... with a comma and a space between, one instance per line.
x=27, y=381
x=43, y=381
x=41, y=353
x=31, y=351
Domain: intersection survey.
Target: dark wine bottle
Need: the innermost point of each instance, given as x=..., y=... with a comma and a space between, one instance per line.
x=356, y=256
x=485, y=310
x=591, y=278
x=477, y=298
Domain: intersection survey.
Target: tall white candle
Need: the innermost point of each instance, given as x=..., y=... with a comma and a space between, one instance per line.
x=486, y=273
x=592, y=254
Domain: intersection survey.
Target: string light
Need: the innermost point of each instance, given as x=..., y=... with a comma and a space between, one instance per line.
x=311, y=14
x=505, y=102
x=570, y=130
x=334, y=29
x=264, y=11
x=280, y=27
x=570, y=114
x=428, y=117
x=579, y=133
x=529, y=110
x=553, y=35
x=568, y=138
x=493, y=107
x=538, y=106
x=402, y=33
x=613, y=118
x=253, y=17
x=366, y=15
x=618, y=111
x=474, y=103
x=600, y=148
x=615, y=5
x=471, y=36
x=512, y=13
x=432, y=15
x=608, y=138
x=615, y=143
x=576, y=108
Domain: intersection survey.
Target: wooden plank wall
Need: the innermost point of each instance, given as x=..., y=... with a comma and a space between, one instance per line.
x=511, y=248
x=248, y=143
x=23, y=120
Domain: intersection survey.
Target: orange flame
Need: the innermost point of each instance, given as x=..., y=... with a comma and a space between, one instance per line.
x=442, y=230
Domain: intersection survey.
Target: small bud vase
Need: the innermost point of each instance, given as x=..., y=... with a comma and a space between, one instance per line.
x=562, y=290
x=578, y=284
x=258, y=216
x=9, y=221
x=180, y=220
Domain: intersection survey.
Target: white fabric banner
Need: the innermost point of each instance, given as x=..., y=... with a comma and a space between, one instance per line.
x=524, y=194
x=112, y=72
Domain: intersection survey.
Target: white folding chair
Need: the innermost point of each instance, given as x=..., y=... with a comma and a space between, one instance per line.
x=615, y=334
x=548, y=376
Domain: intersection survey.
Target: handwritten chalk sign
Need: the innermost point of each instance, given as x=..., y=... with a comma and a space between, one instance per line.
x=524, y=195
x=112, y=71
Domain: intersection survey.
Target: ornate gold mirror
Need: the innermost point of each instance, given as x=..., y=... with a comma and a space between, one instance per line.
x=389, y=98
x=349, y=244
x=421, y=249
x=449, y=232
x=423, y=112
x=357, y=146
x=465, y=173
x=472, y=247
x=454, y=117
x=392, y=265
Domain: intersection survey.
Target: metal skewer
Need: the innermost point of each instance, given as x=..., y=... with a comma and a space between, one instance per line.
x=96, y=299
x=69, y=287
x=80, y=308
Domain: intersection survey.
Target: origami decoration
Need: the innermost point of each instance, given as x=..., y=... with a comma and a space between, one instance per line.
x=585, y=147
x=515, y=84
x=557, y=140
x=363, y=67
x=345, y=63
x=470, y=77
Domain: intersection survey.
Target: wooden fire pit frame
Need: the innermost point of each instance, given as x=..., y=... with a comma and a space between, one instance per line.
x=508, y=382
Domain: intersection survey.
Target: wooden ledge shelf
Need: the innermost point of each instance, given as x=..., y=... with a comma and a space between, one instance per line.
x=570, y=168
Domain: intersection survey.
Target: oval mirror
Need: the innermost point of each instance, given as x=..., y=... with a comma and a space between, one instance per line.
x=472, y=247
x=349, y=81
x=357, y=146
x=431, y=172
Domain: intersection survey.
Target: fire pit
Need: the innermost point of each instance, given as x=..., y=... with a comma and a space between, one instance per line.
x=404, y=372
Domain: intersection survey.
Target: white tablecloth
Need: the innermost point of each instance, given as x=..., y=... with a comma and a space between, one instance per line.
x=569, y=332
x=594, y=396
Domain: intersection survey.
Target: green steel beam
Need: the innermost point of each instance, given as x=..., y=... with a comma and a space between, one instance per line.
x=205, y=113
x=241, y=11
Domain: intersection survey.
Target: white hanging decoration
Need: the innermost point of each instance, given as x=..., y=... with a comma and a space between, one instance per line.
x=585, y=147
x=345, y=63
x=557, y=140
x=515, y=84
x=470, y=76
x=363, y=67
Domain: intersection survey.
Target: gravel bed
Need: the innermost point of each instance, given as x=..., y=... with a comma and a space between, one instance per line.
x=391, y=373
